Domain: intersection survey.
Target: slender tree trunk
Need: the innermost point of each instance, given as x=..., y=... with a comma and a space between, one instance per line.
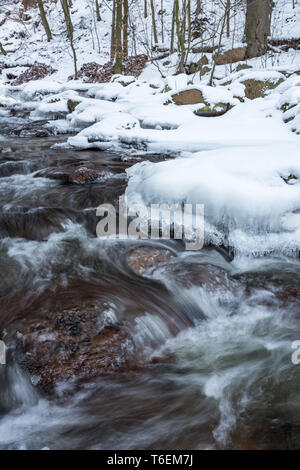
x=70, y=33
x=198, y=8
x=2, y=50
x=113, y=32
x=118, y=35
x=181, y=31
x=228, y=18
x=44, y=20
x=189, y=26
x=125, y=28
x=145, y=9
x=162, y=20
x=98, y=16
x=257, y=28
x=153, y=22
x=172, y=30
x=218, y=50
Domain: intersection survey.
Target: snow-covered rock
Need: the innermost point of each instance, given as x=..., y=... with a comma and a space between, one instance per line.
x=248, y=200
x=107, y=130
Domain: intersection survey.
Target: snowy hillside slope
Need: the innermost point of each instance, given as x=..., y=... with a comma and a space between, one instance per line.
x=24, y=38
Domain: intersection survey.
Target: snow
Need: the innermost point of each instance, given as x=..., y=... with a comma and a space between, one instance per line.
x=246, y=200
x=237, y=164
x=36, y=88
x=253, y=74
x=91, y=111
x=106, y=130
x=176, y=128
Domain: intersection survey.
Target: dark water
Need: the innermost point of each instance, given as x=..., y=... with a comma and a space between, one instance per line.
x=212, y=337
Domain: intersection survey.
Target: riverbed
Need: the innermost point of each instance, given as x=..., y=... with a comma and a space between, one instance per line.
x=211, y=335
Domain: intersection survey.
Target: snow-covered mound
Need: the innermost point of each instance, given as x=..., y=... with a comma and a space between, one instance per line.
x=251, y=195
x=289, y=102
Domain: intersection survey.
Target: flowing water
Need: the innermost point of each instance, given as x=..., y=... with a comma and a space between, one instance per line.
x=212, y=336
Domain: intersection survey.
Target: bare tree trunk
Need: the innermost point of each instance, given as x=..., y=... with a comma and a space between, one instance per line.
x=153, y=22
x=133, y=29
x=70, y=33
x=218, y=50
x=2, y=50
x=118, y=35
x=198, y=8
x=44, y=20
x=180, y=31
x=257, y=28
x=162, y=20
x=113, y=32
x=228, y=18
x=98, y=16
x=125, y=28
x=189, y=25
x=145, y=9
x=172, y=29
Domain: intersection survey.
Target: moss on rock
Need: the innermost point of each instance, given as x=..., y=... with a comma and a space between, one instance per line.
x=286, y=106
x=243, y=67
x=213, y=110
x=199, y=66
x=195, y=96
x=257, y=88
x=72, y=105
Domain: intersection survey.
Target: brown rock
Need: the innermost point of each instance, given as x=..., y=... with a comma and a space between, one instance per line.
x=81, y=175
x=145, y=260
x=194, y=96
x=84, y=175
x=257, y=88
x=70, y=345
x=191, y=96
x=291, y=293
x=229, y=57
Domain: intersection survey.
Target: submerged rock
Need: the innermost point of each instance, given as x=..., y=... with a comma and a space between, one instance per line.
x=71, y=344
x=81, y=175
x=144, y=260
x=84, y=175
x=290, y=293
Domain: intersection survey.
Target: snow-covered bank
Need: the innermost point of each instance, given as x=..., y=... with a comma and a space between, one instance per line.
x=251, y=194
x=239, y=143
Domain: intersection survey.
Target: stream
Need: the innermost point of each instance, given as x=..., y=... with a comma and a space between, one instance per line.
x=209, y=338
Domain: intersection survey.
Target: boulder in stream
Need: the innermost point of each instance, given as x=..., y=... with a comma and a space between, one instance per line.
x=81, y=175
x=70, y=344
